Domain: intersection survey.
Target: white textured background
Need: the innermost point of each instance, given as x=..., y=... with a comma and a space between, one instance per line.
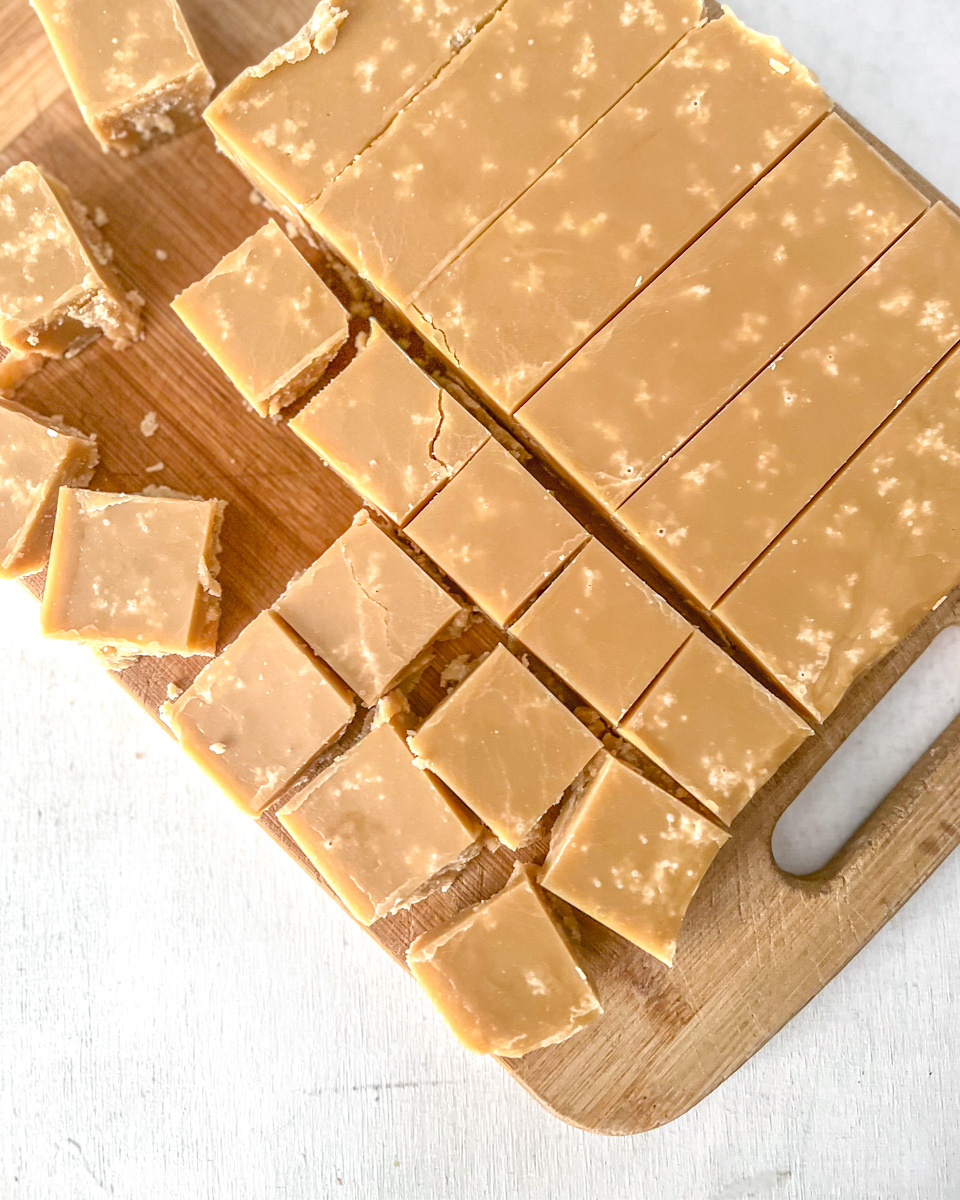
x=184, y=1016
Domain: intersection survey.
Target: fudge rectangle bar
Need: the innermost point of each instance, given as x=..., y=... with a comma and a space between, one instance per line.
x=715, y=317
x=528, y=85
x=686, y=142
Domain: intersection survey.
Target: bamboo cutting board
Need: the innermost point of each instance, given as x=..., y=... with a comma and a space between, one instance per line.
x=757, y=944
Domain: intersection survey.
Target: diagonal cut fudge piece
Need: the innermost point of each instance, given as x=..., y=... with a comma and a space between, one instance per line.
x=502, y=973
x=266, y=318
x=381, y=832
x=37, y=457
x=366, y=608
x=259, y=712
x=132, y=575
x=132, y=65
x=388, y=430
x=506, y=745
x=631, y=856
x=58, y=291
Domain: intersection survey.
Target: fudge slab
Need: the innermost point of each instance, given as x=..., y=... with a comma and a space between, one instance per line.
x=502, y=974
x=496, y=532
x=603, y=630
x=366, y=608
x=266, y=318
x=388, y=430
x=712, y=727
x=503, y=111
x=720, y=313
x=294, y=121
x=37, y=457
x=715, y=507
x=631, y=856
x=685, y=143
x=381, y=832
x=57, y=289
x=132, y=65
x=259, y=712
x=132, y=575
x=506, y=745
x=866, y=560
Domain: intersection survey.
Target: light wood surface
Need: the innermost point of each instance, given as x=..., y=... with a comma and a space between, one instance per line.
x=757, y=944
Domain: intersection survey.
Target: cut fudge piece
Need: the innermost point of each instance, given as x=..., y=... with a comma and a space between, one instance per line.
x=502, y=112
x=57, y=289
x=631, y=856
x=603, y=630
x=259, y=712
x=497, y=532
x=714, y=728
x=716, y=506
x=381, y=832
x=266, y=318
x=866, y=560
x=294, y=121
x=387, y=429
x=366, y=608
x=132, y=575
x=503, y=975
x=506, y=745
x=686, y=142
x=720, y=313
x=132, y=65
x=37, y=457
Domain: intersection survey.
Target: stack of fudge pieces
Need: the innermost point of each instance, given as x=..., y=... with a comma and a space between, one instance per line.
x=651, y=255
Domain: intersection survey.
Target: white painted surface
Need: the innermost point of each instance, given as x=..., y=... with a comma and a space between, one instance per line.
x=181, y=1025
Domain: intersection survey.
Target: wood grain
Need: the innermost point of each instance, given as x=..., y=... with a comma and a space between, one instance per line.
x=757, y=944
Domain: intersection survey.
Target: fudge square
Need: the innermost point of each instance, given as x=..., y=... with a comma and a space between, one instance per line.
x=381, y=832
x=388, y=430
x=603, y=630
x=37, y=457
x=57, y=289
x=631, y=856
x=259, y=712
x=712, y=727
x=366, y=608
x=132, y=65
x=266, y=318
x=497, y=532
x=502, y=973
x=132, y=575
x=506, y=745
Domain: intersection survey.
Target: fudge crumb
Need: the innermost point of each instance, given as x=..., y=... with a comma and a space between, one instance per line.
x=154, y=467
x=218, y=748
x=150, y=424
x=174, y=691
x=162, y=255
x=100, y=218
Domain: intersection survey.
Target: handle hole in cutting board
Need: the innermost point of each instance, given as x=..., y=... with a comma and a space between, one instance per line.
x=872, y=761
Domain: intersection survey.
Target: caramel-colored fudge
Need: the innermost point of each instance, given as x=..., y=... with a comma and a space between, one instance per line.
x=716, y=506
x=506, y=745
x=294, y=121
x=686, y=142
x=603, y=631
x=57, y=289
x=132, y=575
x=381, y=832
x=631, y=856
x=266, y=318
x=366, y=608
x=866, y=560
x=16, y=367
x=712, y=727
x=37, y=457
x=259, y=712
x=502, y=973
x=497, y=532
x=724, y=309
x=388, y=430
x=529, y=84
x=132, y=65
